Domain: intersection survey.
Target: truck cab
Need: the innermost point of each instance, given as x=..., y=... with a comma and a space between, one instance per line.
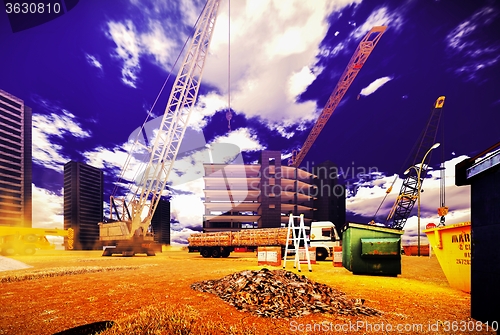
x=323, y=236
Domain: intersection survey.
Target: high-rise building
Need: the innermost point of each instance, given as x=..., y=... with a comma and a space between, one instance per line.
x=83, y=203
x=329, y=200
x=15, y=162
x=160, y=222
x=263, y=195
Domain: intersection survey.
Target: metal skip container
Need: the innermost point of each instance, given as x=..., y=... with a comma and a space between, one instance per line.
x=452, y=247
x=371, y=250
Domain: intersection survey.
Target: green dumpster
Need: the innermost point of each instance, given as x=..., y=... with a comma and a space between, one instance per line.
x=368, y=249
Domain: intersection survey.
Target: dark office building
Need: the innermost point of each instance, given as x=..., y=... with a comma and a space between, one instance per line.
x=83, y=203
x=330, y=195
x=270, y=189
x=161, y=222
x=15, y=162
x=482, y=173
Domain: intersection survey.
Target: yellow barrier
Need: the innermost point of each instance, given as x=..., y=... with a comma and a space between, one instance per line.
x=452, y=247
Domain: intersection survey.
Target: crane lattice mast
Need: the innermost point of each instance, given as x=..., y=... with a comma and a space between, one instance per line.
x=163, y=152
x=409, y=192
x=357, y=61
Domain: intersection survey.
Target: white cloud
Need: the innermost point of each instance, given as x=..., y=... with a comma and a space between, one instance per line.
x=179, y=237
x=298, y=81
x=45, y=152
x=242, y=138
x=92, y=60
x=381, y=17
x=375, y=85
x=156, y=43
x=127, y=49
x=475, y=48
x=188, y=209
x=272, y=46
x=190, y=10
x=460, y=37
x=206, y=106
x=151, y=35
x=47, y=208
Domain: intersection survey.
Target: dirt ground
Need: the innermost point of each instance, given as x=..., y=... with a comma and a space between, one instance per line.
x=66, y=289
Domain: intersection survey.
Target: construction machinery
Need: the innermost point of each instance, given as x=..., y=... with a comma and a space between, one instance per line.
x=322, y=235
x=25, y=241
x=128, y=232
x=357, y=61
x=415, y=175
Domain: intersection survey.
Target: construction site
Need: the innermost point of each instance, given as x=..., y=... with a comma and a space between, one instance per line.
x=274, y=253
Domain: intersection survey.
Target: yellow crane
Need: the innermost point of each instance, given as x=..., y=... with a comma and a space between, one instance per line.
x=357, y=61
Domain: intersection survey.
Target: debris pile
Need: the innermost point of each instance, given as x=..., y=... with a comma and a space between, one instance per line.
x=281, y=294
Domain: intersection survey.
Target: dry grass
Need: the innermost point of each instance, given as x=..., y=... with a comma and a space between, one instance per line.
x=62, y=271
x=152, y=295
x=168, y=319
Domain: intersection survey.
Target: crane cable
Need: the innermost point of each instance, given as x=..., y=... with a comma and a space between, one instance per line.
x=229, y=115
x=386, y=194
x=443, y=210
x=396, y=176
x=150, y=112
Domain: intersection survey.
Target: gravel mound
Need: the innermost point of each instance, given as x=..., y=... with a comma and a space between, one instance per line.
x=7, y=264
x=281, y=294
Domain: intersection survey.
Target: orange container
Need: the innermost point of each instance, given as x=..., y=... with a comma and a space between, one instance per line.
x=452, y=247
x=337, y=256
x=269, y=256
x=412, y=250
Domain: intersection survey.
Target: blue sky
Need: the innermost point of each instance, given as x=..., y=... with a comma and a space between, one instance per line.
x=92, y=75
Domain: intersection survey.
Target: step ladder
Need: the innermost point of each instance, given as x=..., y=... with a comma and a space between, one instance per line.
x=297, y=237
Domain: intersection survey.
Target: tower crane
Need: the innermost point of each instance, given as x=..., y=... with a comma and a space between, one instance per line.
x=129, y=232
x=357, y=61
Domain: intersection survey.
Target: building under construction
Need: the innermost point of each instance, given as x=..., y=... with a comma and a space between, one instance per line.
x=263, y=195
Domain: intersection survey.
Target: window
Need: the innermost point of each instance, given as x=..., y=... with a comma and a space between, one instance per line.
x=326, y=232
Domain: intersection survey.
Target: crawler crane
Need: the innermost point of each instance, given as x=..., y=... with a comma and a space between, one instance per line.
x=130, y=233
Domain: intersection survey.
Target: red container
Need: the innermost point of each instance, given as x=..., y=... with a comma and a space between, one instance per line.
x=337, y=256
x=412, y=250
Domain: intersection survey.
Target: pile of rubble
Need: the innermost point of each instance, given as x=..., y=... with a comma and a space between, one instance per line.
x=281, y=294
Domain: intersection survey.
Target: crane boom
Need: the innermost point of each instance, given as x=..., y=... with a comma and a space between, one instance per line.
x=409, y=190
x=168, y=139
x=175, y=119
x=357, y=61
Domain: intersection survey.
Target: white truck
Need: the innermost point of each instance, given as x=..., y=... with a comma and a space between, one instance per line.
x=322, y=235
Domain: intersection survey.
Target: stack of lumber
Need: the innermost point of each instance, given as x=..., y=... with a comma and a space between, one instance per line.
x=260, y=237
x=223, y=238
x=245, y=237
